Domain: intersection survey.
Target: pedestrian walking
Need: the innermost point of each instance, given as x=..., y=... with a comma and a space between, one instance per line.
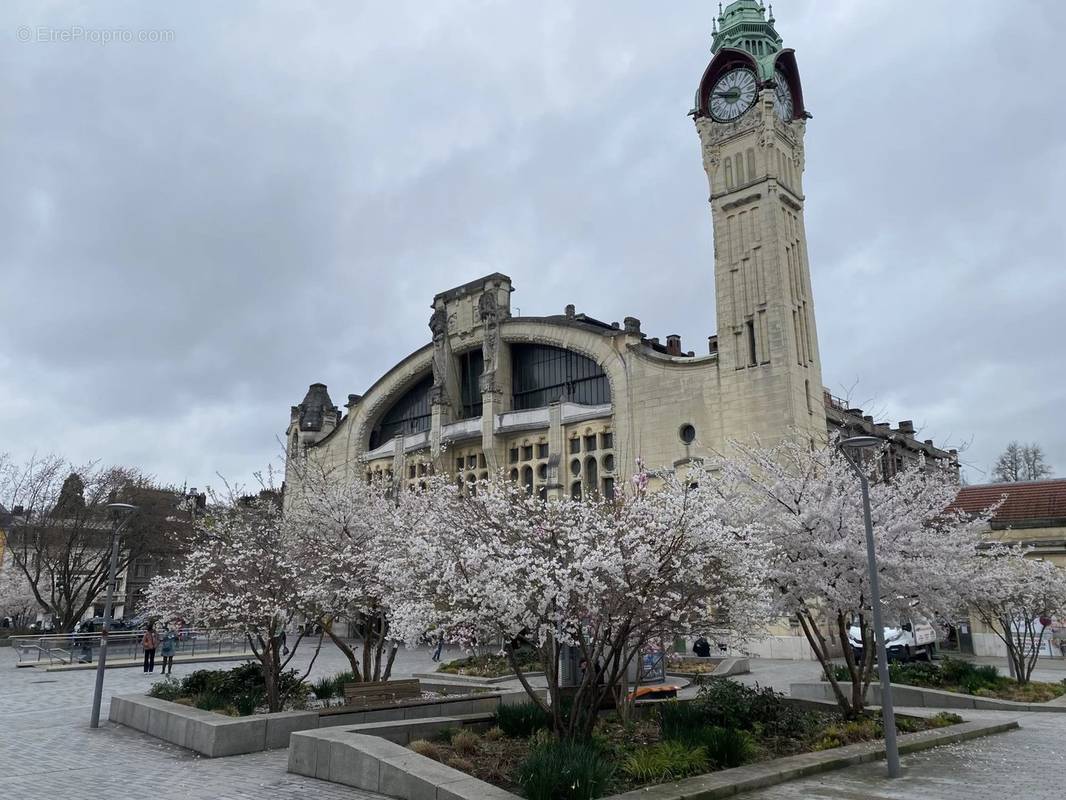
x=440, y=647
x=150, y=642
x=166, y=649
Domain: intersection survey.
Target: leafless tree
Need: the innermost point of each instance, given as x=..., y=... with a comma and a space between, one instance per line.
x=59, y=533
x=1021, y=462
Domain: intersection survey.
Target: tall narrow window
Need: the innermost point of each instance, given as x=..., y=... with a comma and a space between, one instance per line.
x=471, y=365
x=728, y=172
x=807, y=391
x=751, y=163
x=527, y=479
x=740, y=168
x=750, y=325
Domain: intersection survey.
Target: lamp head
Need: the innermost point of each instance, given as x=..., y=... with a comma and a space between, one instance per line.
x=859, y=443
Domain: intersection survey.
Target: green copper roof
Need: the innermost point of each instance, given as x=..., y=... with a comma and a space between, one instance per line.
x=744, y=25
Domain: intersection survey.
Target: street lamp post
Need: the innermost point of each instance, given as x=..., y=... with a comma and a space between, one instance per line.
x=122, y=513
x=887, y=711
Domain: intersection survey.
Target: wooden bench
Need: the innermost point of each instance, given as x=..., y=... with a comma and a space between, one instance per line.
x=366, y=695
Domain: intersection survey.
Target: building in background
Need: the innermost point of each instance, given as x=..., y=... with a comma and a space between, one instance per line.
x=1033, y=515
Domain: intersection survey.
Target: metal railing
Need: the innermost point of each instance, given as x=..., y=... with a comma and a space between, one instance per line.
x=72, y=648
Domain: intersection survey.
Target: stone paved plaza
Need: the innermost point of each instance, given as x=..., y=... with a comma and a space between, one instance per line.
x=48, y=752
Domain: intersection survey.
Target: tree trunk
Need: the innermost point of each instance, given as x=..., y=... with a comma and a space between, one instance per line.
x=343, y=646
x=271, y=669
x=821, y=652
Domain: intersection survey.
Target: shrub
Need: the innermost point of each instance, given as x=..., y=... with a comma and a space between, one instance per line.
x=494, y=734
x=565, y=771
x=727, y=747
x=953, y=670
x=166, y=689
x=522, y=720
x=247, y=703
x=211, y=701
x=945, y=718
x=666, y=761
x=445, y=735
x=844, y=733
x=677, y=720
x=427, y=749
x=909, y=724
x=324, y=688
x=465, y=742
x=727, y=704
x=841, y=673
x=919, y=673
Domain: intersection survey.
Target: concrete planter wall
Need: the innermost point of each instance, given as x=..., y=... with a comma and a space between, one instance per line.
x=374, y=758
x=212, y=735
x=926, y=698
x=215, y=735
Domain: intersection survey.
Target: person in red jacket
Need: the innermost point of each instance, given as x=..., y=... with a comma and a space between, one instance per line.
x=149, y=643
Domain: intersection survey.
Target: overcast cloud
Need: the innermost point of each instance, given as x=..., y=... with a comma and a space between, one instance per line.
x=195, y=230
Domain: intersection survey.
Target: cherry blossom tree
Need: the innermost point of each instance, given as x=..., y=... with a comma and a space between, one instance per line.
x=241, y=573
x=342, y=528
x=807, y=504
x=493, y=562
x=1013, y=594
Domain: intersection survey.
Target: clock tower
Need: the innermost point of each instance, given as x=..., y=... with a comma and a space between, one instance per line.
x=751, y=120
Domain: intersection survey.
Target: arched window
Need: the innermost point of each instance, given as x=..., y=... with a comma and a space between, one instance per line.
x=541, y=374
x=728, y=172
x=410, y=414
x=592, y=482
x=740, y=168
x=575, y=490
x=527, y=479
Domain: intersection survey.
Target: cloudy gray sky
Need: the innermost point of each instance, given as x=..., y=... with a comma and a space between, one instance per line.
x=194, y=230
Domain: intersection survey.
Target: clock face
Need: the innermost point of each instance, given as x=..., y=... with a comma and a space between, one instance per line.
x=783, y=97
x=733, y=94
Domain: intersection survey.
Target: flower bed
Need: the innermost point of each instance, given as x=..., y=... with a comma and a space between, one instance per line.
x=689, y=665
x=236, y=692
x=493, y=665
x=726, y=726
x=962, y=677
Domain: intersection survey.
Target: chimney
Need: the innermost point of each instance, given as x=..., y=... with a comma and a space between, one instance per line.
x=570, y=311
x=673, y=344
x=712, y=344
x=906, y=426
x=654, y=340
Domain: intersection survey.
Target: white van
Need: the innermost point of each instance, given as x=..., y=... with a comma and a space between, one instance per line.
x=912, y=641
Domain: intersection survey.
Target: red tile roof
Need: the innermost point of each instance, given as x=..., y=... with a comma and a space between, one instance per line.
x=1026, y=501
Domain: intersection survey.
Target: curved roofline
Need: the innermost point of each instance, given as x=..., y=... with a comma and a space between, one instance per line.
x=786, y=59
x=410, y=357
